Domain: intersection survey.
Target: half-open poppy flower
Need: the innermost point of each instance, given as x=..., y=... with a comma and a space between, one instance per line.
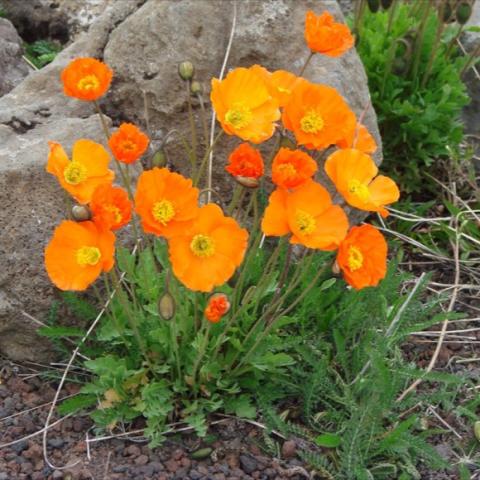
x=354, y=175
x=362, y=257
x=110, y=206
x=217, y=306
x=128, y=143
x=291, y=168
x=85, y=172
x=245, y=161
x=78, y=253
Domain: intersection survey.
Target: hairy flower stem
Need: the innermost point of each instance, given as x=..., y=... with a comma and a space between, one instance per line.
x=417, y=55
x=193, y=130
x=200, y=355
x=305, y=65
x=205, y=159
x=203, y=117
x=391, y=15
x=271, y=323
x=453, y=42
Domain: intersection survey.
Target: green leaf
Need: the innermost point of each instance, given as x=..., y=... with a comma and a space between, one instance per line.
x=59, y=332
x=328, y=440
x=241, y=406
x=77, y=403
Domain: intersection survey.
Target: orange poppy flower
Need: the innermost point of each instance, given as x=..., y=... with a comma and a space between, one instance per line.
x=361, y=140
x=324, y=35
x=362, y=257
x=166, y=202
x=78, y=253
x=308, y=214
x=85, y=172
x=245, y=161
x=218, y=305
x=86, y=78
x=128, y=143
x=207, y=255
x=110, y=206
x=291, y=168
x=317, y=115
x=354, y=175
x=244, y=105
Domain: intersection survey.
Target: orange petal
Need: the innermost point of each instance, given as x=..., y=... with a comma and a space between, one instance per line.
x=275, y=222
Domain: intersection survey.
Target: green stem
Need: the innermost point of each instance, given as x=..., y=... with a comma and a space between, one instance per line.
x=205, y=158
x=193, y=129
x=305, y=65
x=391, y=15
x=237, y=191
x=435, y=46
x=201, y=354
x=417, y=55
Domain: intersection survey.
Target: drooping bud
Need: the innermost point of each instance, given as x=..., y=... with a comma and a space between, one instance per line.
x=159, y=159
x=166, y=306
x=463, y=12
x=336, y=268
x=399, y=66
x=446, y=12
x=81, y=213
x=186, y=70
x=386, y=4
x=247, y=182
x=196, y=88
x=373, y=5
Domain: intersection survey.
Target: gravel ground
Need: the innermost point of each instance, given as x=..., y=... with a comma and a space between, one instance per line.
x=232, y=450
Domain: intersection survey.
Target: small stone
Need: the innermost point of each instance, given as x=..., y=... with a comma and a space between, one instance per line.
x=186, y=462
x=141, y=460
x=4, y=476
x=289, y=449
x=248, y=463
x=56, y=443
x=77, y=425
x=194, y=475
x=157, y=467
x=57, y=475
x=178, y=454
x=119, y=468
x=132, y=451
x=172, y=465
x=19, y=447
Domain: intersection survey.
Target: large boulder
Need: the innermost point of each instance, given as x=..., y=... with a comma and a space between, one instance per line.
x=143, y=41
x=13, y=68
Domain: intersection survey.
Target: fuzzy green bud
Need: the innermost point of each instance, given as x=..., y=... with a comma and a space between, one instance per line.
x=446, y=12
x=159, y=159
x=166, y=306
x=373, y=5
x=463, y=12
x=196, y=88
x=476, y=430
x=186, y=70
x=81, y=213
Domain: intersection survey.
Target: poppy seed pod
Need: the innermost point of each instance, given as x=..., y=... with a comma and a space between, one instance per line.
x=166, y=306
x=196, y=88
x=463, y=12
x=186, y=70
x=81, y=213
x=373, y=5
x=247, y=182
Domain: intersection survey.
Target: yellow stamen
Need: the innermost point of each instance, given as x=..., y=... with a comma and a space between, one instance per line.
x=305, y=222
x=358, y=189
x=355, y=258
x=75, y=173
x=312, y=122
x=117, y=216
x=163, y=211
x=129, y=145
x=90, y=82
x=239, y=116
x=202, y=246
x=283, y=90
x=88, y=255
x=288, y=170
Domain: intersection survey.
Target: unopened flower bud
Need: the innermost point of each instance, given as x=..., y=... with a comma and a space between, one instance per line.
x=159, y=159
x=166, y=306
x=373, y=5
x=81, y=213
x=463, y=12
x=336, y=268
x=386, y=4
x=446, y=12
x=476, y=430
x=400, y=66
x=196, y=88
x=186, y=70
x=247, y=182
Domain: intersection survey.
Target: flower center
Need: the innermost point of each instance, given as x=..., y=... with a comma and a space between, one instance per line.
x=117, y=215
x=359, y=189
x=355, y=258
x=305, y=222
x=288, y=170
x=239, y=116
x=88, y=255
x=129, y=145
x=312, y=122
x=202, y=246
x=163, y=211
x=74, y=173
x=284, y=90
x=90, y=82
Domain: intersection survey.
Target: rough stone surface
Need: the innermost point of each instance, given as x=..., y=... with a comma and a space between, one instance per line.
x=61, y=20
x=13, y=69
x=143, y=41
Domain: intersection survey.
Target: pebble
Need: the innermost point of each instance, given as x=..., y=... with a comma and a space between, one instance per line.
x=141, y=460
x=55, y=442
x=194, y=475
x=20, y=446
x=119, y=468
x=132, y=451
x=289, y=449
x=248, y=463
x=172, y=465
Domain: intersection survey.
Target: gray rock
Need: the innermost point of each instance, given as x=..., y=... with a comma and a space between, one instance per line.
x=13, y=69
x=248, y=463
x=143, y=41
